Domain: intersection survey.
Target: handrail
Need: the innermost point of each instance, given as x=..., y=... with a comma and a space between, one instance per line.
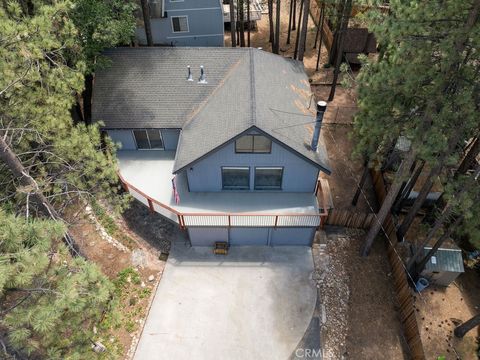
x=181, y=221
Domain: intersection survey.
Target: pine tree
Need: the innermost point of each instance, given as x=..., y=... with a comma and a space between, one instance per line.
x=50, y=301
x=424, y=88
x=37, y=88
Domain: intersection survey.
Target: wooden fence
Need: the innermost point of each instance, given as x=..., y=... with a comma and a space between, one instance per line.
x=402, y=288
x=359, y=220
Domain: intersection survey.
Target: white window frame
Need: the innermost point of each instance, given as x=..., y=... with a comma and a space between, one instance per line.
x=237, y=168
x=148, y=138
x=180, y=16
x=281, y=168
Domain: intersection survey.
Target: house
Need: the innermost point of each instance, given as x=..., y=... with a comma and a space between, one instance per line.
x=255, y=11
x=218, y=140
x=184, y=23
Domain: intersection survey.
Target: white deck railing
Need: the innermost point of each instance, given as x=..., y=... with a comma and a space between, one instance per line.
x=228, y=220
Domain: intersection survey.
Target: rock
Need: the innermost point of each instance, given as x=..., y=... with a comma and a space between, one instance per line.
x=88, y=209
x=138, y=258
x=151, y=278
x=142, y=284
x=98, y=347
x=95, y=330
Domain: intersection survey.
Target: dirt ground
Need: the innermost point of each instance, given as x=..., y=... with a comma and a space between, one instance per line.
x=259, y=38
x=149, y=235
x=441, y=309
x=361, y=317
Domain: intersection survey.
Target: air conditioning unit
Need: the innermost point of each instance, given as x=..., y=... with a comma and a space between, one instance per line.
x=156, y=8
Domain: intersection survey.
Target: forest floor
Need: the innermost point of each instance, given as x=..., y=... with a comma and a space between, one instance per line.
x=130, y=249
x=259, y=38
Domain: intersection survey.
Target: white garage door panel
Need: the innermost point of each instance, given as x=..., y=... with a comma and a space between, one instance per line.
x=292, y=236
x=248, y=236
x=207, y=236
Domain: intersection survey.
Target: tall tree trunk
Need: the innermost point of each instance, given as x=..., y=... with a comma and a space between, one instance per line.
x=361, y=183
x=297, y=40
x=470, y=157
x=409, y=187
x=233, y=24
x=336, y=33
x=248, y=23
x=146, y=22
x=401, y=174
x=427, y=186
x=289, y=32
x=462, y=329
x=87, y=99
x=21, y=174
x=347, y=9
x=318, y=28
x=242, y=22
x=446, y=212
x=322, y=19
x=303, y=35
x=271, y=38
x=276, y=47
x=294, y=16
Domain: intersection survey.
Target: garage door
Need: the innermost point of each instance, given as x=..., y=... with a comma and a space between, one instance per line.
x=292, y=236
x=207, y=236
x=248, y=236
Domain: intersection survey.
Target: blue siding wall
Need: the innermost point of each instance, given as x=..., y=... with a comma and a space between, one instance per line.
x=205, y=21
x=127, y=141
x=298, y=174
x=124, y=137
x=170, y=138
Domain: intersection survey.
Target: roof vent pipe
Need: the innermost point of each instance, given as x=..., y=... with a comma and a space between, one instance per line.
x=321, y=108
x=189, y=77
x=202, y=79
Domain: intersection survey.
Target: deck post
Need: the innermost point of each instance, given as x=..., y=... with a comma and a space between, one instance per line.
x=229, y=221
x=276, y=221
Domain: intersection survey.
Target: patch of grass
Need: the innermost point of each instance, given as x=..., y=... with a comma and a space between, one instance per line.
x=126, y=276
x=145, y=292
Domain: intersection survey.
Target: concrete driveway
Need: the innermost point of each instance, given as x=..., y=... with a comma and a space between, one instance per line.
x=254, y=303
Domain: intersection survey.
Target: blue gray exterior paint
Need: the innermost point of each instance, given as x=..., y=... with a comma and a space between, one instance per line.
x=205, y=24
x=251, y=236
x=127, y=142
x=298, y=174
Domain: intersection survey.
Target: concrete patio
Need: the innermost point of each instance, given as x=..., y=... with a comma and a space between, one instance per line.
x=255, y=303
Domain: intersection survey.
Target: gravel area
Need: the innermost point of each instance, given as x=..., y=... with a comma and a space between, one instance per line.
x=356, y=298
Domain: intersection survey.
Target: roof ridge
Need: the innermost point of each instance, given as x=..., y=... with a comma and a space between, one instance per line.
x=253, y=100
x=199, y=108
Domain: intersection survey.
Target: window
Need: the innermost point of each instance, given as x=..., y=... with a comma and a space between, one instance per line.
x=180, y=23
x=253, y=144
x=148, y=139
x=235, y=178
x=268, y=178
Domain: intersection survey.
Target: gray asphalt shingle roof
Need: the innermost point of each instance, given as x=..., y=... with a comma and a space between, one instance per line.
x=147, y=88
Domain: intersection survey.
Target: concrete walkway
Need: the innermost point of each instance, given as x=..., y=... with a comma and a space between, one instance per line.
x=255, y=303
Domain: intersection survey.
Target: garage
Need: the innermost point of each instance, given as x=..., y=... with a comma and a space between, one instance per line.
x=207, y=236
x=292, y=236
x=248, y=236
x=238, y=236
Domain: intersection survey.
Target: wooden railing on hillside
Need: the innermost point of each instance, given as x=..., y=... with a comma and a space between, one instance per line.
x=227, y=219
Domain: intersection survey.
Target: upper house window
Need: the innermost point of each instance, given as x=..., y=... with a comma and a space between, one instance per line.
x=253, y=144
x=180, y=23
x=148, y=139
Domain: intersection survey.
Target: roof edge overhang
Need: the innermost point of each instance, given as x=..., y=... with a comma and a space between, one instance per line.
x=322, y=167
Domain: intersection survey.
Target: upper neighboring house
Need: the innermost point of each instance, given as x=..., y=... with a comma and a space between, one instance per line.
x=184, y=23
x=224, y=153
